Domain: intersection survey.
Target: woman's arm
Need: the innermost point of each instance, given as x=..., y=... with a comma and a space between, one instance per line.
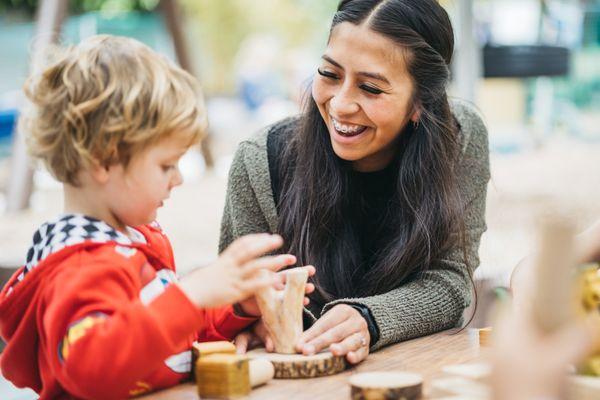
x=243, y=213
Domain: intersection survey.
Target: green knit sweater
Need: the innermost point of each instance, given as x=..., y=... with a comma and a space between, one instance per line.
x=433, y=302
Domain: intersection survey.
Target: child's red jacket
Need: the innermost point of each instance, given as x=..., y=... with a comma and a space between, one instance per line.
x=94, y=314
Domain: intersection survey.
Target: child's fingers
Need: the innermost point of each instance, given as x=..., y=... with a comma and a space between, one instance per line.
x=249, y=247
x=253, y=284
x=309, y=268
x=241, y=342
x=261, y=332
x=310, y=287
x=272, y=263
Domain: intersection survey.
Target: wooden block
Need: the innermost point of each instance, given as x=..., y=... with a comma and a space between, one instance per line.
x=386, y=386
x=261, y=371
x=583, y=388
x=203, y=349
x=479, y=372
x=294, y=366
x=282, y=311
x=200, y=349
x=459, y=387
x=485, y=336
x=223, y=376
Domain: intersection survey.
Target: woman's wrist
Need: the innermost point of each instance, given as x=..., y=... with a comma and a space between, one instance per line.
x=365, y=312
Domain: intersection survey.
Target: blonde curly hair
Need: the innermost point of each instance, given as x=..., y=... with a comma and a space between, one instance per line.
x=103, y=101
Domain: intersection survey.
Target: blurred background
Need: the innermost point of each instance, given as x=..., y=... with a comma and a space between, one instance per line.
x=532, y=67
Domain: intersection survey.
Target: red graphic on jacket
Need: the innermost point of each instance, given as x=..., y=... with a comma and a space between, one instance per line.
x=94, y=314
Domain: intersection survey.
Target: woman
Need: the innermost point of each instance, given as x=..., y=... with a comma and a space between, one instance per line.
x=380, y=183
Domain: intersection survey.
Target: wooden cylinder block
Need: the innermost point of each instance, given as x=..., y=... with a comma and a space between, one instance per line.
x=261, y=371
x=485, y=336
x=386, y=386
x=282, y=311
x=297, y=366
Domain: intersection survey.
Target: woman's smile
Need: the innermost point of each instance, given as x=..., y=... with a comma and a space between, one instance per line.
x=345, y=133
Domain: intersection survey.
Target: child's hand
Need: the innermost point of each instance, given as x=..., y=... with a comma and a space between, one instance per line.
x=250, y=307
x=235, y=275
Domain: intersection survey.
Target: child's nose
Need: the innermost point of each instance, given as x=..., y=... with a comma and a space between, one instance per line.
x=177, y=178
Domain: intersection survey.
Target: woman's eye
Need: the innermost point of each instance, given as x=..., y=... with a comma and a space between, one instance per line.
x=167, y=168
x=371, y=89
x=327, y=74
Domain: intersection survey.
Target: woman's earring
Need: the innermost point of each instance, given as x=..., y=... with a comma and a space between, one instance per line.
x=416, y=125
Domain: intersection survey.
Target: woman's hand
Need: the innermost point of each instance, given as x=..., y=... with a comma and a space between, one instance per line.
x=343, y=329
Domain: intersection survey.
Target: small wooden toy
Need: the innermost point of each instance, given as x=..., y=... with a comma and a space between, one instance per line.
x=282, y=314
x=294, y=366
x=485, y=336
x=282, y=311
x=386, y=386
x=230, y=376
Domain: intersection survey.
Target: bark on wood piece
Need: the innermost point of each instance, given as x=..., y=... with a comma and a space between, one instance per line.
x=297, y=366
x=554, y=264
x=386, y=386
x=583, y=388
x=282, y=311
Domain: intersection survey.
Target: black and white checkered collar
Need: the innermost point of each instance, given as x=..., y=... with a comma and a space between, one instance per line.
x=69, y=230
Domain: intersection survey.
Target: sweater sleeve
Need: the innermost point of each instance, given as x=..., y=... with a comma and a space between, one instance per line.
x=243, y=213
x=100, y=338
x=437, y=299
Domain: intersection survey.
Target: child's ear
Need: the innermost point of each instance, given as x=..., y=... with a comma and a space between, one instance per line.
x=98, y=172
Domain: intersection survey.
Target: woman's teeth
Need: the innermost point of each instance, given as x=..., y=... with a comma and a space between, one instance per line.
x=348, y=130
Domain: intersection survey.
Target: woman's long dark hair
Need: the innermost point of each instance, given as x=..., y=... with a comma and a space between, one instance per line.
x=427, y=217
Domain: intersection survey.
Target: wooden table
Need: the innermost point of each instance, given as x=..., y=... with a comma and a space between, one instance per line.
x=425, y=356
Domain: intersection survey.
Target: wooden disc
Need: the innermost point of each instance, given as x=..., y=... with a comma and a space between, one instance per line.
x=295, y=366
x=386, y=386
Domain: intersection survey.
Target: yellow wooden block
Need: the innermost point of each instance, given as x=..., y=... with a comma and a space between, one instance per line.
x=205, y=348
x=222, y=376
x=485, y=336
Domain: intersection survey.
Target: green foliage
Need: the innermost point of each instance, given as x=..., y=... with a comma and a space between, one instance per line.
x=220, y=26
